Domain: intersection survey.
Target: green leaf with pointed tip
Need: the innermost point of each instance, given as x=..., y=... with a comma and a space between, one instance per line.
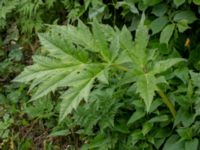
x=182, y=25
x=158, y=24
x=146, y=87
x=136, y=50
x=160, y=9
x=195, y=78
x=146, y=128
x=187, y=15
x=163, y=65
x=81, y=35
x=178, y=2
x=141, y=41
x=167, y=33
x=192, y=144
x=173, y=143
x=115, y=47
x=136, y=116
x=100, y=41
x=72, y=98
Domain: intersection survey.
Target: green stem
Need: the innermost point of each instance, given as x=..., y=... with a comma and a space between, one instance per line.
x=120, y=67
x=114, y=13
x=166, y=100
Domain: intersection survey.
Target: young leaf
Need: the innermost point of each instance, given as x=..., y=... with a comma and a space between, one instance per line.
x=167, y=33
x=173, y=143
x=163, y=65
x=192, y=144
x=115, y=47
x=160, y=9
x=182, y=25
x=178, y=2
x=136, y=50
x=141, y=41
x=187, y=15
x=158, y=24
x=100, y=41
x=136, y=116
x=146, y=87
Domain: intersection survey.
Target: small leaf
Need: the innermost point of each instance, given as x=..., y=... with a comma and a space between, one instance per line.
x=167, y=33
x=151, y=2
x=98, y=141
x=185, y=117
x=126, y=38
x=182, y=25
x=100, y=43
x=72, y=98
x=192, y=144
x=127, y=4
x=136, y=136
x=195, y=78
x=146, y=87
x=95, y=11
x=141, y=41
x=173, y=143
x=158, y=24
x=163, y=65
x=136, y=116
x=146, y=127
x=59, y=133
x=160, y=9
x=161, y=118
x=185, y=133
x=115, y=47
x=187, y=15
x=178, y=2
x=136, y=50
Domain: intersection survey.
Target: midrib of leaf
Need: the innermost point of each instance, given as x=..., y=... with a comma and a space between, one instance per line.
x=31, y=73
x=62, y=79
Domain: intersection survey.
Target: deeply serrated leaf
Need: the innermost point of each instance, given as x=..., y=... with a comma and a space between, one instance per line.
x=100, y=41
x=146, y=87
x=72, y=98
x=136, y=50
x=163, y=65
x=141, y=41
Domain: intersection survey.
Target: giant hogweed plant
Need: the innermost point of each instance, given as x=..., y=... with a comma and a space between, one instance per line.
x=78, y=59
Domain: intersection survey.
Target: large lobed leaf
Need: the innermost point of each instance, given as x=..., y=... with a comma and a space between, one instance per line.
x=76, y=56
x=68, y=63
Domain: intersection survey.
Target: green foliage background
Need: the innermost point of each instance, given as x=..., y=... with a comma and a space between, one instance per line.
x=110, y=75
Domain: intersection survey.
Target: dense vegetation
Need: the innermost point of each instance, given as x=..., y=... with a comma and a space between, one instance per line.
x=100, y=75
